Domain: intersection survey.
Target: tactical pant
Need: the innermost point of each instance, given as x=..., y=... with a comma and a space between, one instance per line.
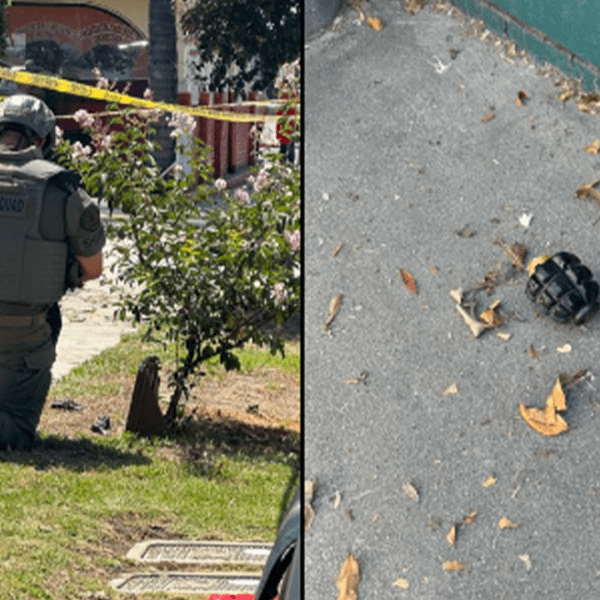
x=26, y=357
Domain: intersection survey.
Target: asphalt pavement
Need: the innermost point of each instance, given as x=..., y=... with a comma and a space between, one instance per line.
x=404, y=169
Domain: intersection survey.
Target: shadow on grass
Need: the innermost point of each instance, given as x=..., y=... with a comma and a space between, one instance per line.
x=78, y=455
x=230, y=438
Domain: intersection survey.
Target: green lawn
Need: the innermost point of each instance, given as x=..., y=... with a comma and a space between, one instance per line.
x=71, y=509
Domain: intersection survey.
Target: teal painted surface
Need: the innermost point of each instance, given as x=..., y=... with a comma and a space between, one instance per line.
x=573, y=24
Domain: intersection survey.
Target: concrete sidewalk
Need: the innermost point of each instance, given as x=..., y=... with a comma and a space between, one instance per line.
x=405, y=170
x=89, y=325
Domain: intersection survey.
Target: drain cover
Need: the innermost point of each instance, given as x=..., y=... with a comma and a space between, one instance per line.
x=207, y=583
x=200, y=552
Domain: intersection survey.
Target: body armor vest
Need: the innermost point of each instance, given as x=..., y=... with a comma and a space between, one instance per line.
x=32, y=270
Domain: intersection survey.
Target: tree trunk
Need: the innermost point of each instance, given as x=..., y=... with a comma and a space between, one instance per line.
x=162, y=72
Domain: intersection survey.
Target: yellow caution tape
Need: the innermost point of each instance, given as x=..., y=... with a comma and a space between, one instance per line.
x=88, y=91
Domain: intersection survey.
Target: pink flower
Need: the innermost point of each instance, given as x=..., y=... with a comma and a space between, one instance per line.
x=220, y=184
x=242, y=196
x=60, y=134
x=293, y=240
x=148, y=94
x=262, y=181
x=84, y=119
x=80, y=152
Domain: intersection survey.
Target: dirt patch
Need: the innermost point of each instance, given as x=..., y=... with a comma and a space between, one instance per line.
x=267, y=399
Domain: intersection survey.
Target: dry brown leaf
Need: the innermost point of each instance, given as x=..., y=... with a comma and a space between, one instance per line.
x=451, y=535
x=488, y=117
x=348, y=578
x=588, y=190
x=491, y=480
x=531, y=417
x=476, y=327
x=558, y=395
x=375, y=23
x=533, y=353
x=401, y=583
x=336, y=250
x=453, y=565
x=413, y=6
x=334, y=308
x=451, y=390
x=516, y=253
x=594, y=148
x=491, y=316
x=409, y=281
x=506, y=523
x=409, y=490
x=468, y=520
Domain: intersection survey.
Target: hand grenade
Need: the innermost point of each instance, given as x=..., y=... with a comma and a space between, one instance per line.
x=563, y=286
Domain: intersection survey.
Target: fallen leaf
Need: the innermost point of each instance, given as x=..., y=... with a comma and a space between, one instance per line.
x=451, y=535
x=532, y=352
x=532, y=417
x=468, y=520
x=413, y=6
x=375, y=518
x=401, y=583
x=375, y=23
x=488, y=117
x=451, y=390
x=348, y=578
x=516, y=253
x=491, y=480
x=457, y=295
x=588, y=190
x=526, y=560
x=566, y=348
x=310, y=485
x=504, y=336
x=557, y=395
x=356, y=380
x=521, y=97
x=334, y=308
x=491, y=316
x=409, y=281
x=506, y=523
x=476, y=327
x=409, y=490
x=336, y=250
x=453, y=565
x=594, y=148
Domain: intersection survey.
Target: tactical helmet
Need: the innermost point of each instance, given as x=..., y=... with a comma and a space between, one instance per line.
x=30, y=112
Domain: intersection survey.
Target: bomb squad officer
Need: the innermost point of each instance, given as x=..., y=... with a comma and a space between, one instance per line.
x=51, y=240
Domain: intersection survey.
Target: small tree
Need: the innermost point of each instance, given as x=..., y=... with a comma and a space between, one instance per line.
x=257, y=37
x=209, y=270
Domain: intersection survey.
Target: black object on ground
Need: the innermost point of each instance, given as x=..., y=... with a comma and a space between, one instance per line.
x=101, y=425
x=70, y=405
x=565, y=288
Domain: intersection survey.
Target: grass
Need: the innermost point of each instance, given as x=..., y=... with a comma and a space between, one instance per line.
x=102, y=374
x=71, y=509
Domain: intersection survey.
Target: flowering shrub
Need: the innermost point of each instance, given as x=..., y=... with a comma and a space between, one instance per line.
x=211, y=275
